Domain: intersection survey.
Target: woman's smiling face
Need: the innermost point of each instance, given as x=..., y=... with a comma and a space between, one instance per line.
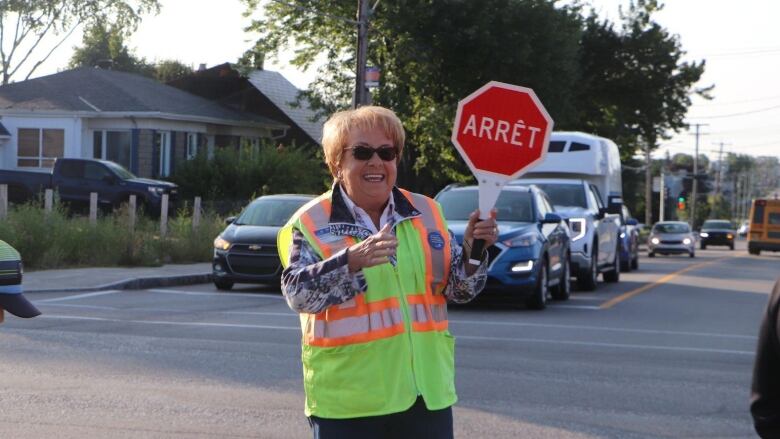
x=368, y=183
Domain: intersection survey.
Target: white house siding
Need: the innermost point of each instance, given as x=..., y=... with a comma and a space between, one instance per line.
x=72, y=140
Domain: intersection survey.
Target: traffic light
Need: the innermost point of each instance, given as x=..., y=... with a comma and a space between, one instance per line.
x=680, y=203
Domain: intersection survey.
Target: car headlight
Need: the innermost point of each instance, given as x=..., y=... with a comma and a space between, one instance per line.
x=526, y=240
x=687, y=241
x=622, y=235
x=704, y=234
x=522, y=267
x=730, y=236
x=156, y=190
x=221, y=244
x=577, y=226
x=655, y=241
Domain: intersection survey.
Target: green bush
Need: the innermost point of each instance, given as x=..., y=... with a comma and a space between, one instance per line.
x=242, y=175
x=60, y=240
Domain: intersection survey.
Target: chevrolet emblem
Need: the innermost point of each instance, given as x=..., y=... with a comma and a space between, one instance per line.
x=255, y=247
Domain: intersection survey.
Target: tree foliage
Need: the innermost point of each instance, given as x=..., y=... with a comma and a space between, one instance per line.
x=104, y=46
x=31, y=30
x=628, y=84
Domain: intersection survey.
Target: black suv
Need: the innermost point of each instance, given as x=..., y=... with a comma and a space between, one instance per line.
x=717, y=232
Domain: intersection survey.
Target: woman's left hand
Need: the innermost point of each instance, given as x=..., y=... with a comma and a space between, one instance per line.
x=481, y=229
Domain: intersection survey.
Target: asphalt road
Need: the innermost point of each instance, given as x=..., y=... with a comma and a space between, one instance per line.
x=665, y=353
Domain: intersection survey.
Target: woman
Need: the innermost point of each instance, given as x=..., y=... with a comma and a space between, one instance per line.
x=370, y=268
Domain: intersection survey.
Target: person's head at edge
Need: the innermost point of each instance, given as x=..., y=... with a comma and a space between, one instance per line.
x=13, y=301
x=367, y=181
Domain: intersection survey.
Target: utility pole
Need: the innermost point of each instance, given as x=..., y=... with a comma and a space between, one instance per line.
x=695, y=174
x=361, y=94
x=720, y=166
x=648, y=187
x=662, y=198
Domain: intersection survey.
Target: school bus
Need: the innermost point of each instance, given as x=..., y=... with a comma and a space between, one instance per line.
x=764, y=231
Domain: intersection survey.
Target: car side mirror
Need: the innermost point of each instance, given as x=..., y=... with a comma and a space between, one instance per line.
x=230, y=219
x=551, y=218
x=632, y=222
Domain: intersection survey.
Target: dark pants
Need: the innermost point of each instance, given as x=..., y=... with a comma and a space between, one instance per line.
x=416, y=422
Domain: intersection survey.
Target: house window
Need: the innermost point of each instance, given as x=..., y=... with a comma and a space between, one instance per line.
x=115, y=146
x=192, y=145
x=162, y=144
x=38, y=148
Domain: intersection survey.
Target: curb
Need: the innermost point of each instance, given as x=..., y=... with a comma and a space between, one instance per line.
x=140, y=283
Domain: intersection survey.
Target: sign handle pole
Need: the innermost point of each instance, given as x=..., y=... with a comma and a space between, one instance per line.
x=489, y=189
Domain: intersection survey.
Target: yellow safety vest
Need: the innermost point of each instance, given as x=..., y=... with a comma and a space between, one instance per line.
x=374, y=354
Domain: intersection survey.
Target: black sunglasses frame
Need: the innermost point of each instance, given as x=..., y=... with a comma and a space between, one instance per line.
x=364, y=153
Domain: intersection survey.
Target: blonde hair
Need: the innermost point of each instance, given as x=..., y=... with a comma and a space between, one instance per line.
x=337, y=129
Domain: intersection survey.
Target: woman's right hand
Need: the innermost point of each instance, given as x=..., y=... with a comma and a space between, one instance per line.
x=372, y=251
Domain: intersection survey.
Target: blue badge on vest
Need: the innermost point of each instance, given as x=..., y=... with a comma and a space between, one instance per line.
x=436, y=240
x=322, y=232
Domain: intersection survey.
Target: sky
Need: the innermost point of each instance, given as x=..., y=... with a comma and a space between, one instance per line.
x=739, y=41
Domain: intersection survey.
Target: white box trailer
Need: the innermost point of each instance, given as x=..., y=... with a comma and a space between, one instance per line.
x=583, y=156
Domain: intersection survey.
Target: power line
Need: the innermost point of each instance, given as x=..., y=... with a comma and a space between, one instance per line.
x=744, y=113
x=744, y=101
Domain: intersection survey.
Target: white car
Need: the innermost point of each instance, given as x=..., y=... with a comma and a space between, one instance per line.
x=743, y=228
x=671, y=237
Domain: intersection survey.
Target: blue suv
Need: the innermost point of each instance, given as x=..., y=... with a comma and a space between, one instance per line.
x=530, y=260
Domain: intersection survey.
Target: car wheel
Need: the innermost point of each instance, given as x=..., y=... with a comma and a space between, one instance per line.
x=731, y=246
x=539, y=299
x=562, y=291
x=703, y=246
x=222, y=284
x=651, y=255
x=635, y=261
x=693, y=254
x=613, y=275
x=587, y=281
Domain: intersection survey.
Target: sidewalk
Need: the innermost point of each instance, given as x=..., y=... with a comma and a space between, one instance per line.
x=115, y=278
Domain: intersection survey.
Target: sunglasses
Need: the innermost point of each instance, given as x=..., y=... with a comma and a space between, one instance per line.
x=364, y=153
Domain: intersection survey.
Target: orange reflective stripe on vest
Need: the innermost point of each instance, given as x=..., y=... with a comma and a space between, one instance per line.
x=354, y=321
x=428, y=313
x=437, y=260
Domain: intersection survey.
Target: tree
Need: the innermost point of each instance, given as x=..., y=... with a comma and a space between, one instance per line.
x=431, y=54
x=105, y=47
x=170, y=69
x=31, y=30
x=635, y=88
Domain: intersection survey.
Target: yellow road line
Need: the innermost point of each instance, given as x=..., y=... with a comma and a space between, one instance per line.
x=625, y=296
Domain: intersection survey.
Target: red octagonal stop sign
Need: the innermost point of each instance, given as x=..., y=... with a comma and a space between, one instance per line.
x=501, y=130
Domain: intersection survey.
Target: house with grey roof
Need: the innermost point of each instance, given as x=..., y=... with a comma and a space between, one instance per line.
x=138, y=122
x=261, y=92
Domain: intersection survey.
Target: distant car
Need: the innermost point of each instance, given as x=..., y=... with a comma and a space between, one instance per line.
x=744, y=228
x=717, y=232
x=245, y=252
x=629, y=239
x=11, y=272
x=671, y=237
x=530, y=261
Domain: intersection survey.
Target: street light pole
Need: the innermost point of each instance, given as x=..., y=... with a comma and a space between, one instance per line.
x=361, y=94
x=695, y=175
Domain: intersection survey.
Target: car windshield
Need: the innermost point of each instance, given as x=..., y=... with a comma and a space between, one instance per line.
x=123, y=173
x=717, y=225
x=510, y=206
x=269, y=212
x=671, y=228
x=565, y=195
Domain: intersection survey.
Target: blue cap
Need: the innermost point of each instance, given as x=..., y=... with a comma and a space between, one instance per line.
x=13, y=301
